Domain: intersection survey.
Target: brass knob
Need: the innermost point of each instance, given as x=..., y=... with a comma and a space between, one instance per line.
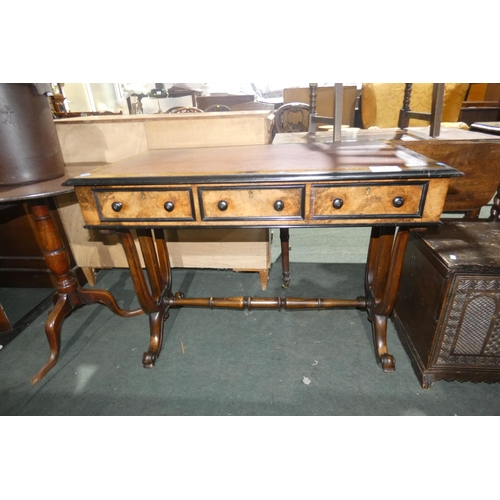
x=279, y=205
x=117, y=206
x=168, y=206
x=337, y=203
x=222, y=205
x=398, y=201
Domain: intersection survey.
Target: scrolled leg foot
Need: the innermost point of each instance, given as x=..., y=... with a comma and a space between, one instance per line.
x=388, y=363
x=156, y=321
x=379, y=330
x=149, y=359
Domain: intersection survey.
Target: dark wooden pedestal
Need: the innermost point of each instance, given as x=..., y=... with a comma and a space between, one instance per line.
x=68, y=295
x=447, y=310
x=22, y=262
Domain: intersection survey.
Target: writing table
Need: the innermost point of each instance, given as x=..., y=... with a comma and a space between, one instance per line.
x=386, y=187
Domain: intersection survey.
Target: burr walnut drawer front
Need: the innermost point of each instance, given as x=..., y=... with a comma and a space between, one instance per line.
x=242, y=203
x=368, y=200
x=134, y=204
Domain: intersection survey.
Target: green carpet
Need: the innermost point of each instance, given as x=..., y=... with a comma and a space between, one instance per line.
x=228, y=362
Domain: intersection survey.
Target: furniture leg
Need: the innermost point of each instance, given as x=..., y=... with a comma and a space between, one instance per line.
x=383, y=272
x=155, y=302
x=285, y=256
x=379, y=254
x=90, y=275
x=69, y=295
x=472, y=214
x=5, y=325
x=263, y=275
x=495, y=207
x=53, y=326
x=264, y=278
x=163, y=258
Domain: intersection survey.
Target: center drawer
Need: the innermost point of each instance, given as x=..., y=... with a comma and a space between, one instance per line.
x=144, y=204
x=242, y=203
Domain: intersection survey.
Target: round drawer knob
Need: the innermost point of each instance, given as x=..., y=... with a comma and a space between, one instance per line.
x=222, y=205
x=117, y=206
x=398, y=201
x=337, y=203
x=168, y=206
x=279, y=206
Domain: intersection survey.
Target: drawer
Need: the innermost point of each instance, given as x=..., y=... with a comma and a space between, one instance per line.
x=241, y=203
x=368, y=200
x=145, y=204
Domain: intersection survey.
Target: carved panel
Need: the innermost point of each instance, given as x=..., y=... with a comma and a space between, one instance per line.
x=472, y=324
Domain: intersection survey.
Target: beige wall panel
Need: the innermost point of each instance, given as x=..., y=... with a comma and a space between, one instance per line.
x=196, y=130
x=105, y=142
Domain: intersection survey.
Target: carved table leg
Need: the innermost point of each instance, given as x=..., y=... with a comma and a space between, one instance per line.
x=383, y=272
x=69, y=295
x=154, y=302
x=285, y=256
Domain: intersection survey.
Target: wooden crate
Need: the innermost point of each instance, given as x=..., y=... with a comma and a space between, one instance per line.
x=447, y=311
x=106, y=139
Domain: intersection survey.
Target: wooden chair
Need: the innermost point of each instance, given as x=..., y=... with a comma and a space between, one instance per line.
x=292, y=117
x=335, y=120
x=184, y=109
x=382, y=104
x=217, y=107
x=325, y=101
x=481, y=104
x=434, y=117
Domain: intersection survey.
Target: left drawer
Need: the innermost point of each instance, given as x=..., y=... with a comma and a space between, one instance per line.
x=141, y=205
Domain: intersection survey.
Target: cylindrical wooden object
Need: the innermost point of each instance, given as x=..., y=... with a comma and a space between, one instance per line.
x=29, y=146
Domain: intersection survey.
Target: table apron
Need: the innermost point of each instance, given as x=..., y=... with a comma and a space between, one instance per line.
x=354, y=203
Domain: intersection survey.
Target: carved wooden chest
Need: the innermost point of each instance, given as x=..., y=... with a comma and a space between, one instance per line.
x=447, y=311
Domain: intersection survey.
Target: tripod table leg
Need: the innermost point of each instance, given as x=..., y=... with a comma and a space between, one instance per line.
x=69, y=295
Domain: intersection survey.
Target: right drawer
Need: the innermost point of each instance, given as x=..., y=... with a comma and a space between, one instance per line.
x=368, y=200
